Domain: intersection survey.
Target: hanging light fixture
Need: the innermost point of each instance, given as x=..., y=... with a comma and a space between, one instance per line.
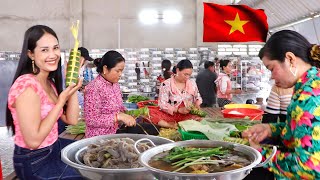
x=149, y=16
x=171, y=16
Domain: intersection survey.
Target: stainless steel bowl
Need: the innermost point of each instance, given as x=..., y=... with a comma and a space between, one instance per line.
x=68, y=157
x=236, y=174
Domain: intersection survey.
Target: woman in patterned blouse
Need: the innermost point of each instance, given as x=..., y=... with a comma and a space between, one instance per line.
x=293, y=61
x=103, y=107
x=176, y=95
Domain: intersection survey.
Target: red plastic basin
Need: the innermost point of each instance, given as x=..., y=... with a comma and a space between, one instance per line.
x=253, y=114
x=142, y=104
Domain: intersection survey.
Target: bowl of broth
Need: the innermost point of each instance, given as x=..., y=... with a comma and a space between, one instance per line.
x=201, y=160
x=84, y=155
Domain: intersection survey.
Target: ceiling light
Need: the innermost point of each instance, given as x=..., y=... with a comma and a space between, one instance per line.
x=171, y=16
x=149, y=16
x=290, y=24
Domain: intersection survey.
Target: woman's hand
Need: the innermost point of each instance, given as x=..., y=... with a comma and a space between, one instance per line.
x=257, y=133
x=173, y=125
x=183, y=110
x=126, y=119
x=197, y=105
x=69, y=91
x=238, y=91
x=254, y=144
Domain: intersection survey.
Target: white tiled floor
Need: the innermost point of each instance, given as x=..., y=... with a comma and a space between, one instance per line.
x=6, y=151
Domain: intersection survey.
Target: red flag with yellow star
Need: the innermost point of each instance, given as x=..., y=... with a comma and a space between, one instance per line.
x=233, y=23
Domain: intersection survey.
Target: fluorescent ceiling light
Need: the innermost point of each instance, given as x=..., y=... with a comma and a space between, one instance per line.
x=171, y=16
x=290, y=24
x=149, y=16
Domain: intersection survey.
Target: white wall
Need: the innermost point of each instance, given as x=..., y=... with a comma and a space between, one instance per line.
x=114, y=23
x=99, y=23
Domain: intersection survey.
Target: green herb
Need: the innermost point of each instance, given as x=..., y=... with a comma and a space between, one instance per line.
x=201, y=160
x=137, y=98
x=79, y=128
x=179, y=153
x=151, y=104
x=139, y=112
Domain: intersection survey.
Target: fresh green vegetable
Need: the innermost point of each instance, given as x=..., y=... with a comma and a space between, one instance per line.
x=244, y=122
x=178, y=153
x=182, y=157
x=240, y=128
x=137, y=98
x=139, y=112
x=79, y=128
x=236, y=140
x=201, y=160
x=151, y=104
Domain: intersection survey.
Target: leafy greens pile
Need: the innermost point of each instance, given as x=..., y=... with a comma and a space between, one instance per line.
x=182, y=157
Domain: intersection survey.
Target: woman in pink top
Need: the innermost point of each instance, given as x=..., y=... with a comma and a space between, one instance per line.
x=103, y=107
x=35, y=103
x=223, y=82
x=176, y=95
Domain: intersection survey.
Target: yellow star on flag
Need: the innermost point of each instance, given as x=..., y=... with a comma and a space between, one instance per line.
x=236, y=24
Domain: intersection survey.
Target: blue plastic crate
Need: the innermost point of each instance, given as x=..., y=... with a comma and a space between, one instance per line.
x=130, y=106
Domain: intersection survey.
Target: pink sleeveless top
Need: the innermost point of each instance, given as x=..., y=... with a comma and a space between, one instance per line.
x=19, y=86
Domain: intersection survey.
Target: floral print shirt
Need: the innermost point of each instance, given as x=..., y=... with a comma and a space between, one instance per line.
x=300, y=133
x=102, y=101
x=170, y=97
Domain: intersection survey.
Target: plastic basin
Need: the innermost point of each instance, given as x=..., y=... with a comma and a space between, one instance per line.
x=243, y=113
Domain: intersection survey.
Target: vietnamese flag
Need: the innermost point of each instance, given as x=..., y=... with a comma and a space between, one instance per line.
x=233, y=23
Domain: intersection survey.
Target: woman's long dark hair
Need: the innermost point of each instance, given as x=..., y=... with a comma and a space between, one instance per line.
x=166, y=66
x=109, y=59
x=31, y=36
x=285, y=41
x=224, y=63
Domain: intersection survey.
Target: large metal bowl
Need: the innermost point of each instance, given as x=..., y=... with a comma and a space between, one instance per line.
x=68, y=157
x=236, y=174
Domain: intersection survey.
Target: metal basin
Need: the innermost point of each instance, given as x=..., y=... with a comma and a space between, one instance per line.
x=236, y=174
x=68, y=157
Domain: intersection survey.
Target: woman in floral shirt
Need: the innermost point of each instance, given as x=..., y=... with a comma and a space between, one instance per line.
x=293, y=61
x=103, y=107
x=176, y=96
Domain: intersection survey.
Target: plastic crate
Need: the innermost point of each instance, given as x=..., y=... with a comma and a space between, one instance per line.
x=130, y=106
x=188, y=135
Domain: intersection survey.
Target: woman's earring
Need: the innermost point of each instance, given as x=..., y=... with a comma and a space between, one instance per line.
x=293, y=73
x=33, y=68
